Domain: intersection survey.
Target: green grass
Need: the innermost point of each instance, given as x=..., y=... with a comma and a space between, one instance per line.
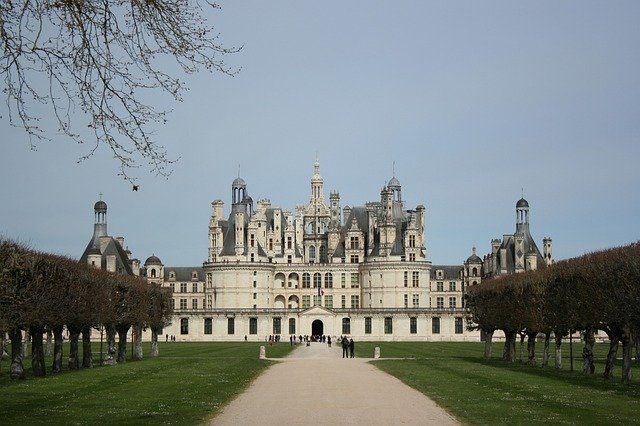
x=187, y=383
x=476, y=391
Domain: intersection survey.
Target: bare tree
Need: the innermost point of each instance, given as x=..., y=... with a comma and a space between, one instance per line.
x=93, y=63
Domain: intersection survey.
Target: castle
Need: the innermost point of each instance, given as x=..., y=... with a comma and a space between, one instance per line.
x=360, y=271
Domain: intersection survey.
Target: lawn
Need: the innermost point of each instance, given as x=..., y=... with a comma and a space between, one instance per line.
x=494, y=392
x=184, y=385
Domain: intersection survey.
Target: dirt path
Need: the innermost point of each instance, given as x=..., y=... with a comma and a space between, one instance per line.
x=315, y=386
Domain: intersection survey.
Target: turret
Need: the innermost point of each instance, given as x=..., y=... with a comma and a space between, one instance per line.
x=547, y=251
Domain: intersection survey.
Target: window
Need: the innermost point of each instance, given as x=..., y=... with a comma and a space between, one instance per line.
x=153, y=273
x=355, y=301
x=328, y=301
x=452, y=286
x=412, y=240
x=354, y=243
x=355, y=280
x=209, y=301
x=172, y=286
x=317, y=300
x=346, y=325
x=183, y=303
x=343, y=301
x=406, y=279
x=183, y=287
x=277, y=325
x=474, y=272
x=355, y=258
x=253, y=240
x=323, y=254
x=406, y=300
x=413, y=325
x=343, y=280
x=253, y=325
x=306, y=280
x=412, y=257
x=439, y=286
x=416, y=300
x=458, y=325
x=270, y=244
x=208, y=326
x=415, y=279
x=328, y=280
x=194, y=304
x=255, y=296
x=173, y=304
x=312, y=253
x=452, y=302
x=306, y=301
x=288, y=258
x=194, y=288
x=231, y=325
x=440, y=302
x=317, y=280
x=367, y=325
x=388, y=325
x=435, y=325
x=292, y=326
x=289, y=242
x=184, y=325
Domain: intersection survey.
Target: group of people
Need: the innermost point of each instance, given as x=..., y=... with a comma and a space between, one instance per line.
x=348, y=347
x=173, y=338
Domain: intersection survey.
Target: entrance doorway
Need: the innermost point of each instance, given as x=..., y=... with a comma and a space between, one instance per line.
x=317, y=328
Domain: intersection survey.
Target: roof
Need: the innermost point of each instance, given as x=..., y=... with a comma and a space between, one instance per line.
x=522, y=203
x=152, y=260
x=450, y=272
x=183, y=273
x=100, y=206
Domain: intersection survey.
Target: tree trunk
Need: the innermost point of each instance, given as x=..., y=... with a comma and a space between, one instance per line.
x=154, y=342
x=558, y=338
x=74, y=335
x=122, y=342
x=637, y=344
x=545, y=354
x=2, y=346
x=522, y=336
x=48, y=348
x=58, y=340
x=626, y=340
x=25, y=345
x=110, y=358
x=509, y=352
x=37, y=352
x=614, y=341
x=487, y=344
x=87, y=354
x=17, y=369
x=531, y=348
x=137, y=340
x=587, y=352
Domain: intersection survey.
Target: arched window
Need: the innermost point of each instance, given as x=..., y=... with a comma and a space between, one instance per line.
x=323, y=254
x=328, y=280
x=474, y=272
x=153, y=272
x=317, y=280
x=312, y=252
x=306, y=280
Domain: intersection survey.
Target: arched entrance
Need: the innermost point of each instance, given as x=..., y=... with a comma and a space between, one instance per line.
x=317, y=328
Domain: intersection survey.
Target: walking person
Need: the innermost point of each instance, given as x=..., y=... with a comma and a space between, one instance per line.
x=352, y=348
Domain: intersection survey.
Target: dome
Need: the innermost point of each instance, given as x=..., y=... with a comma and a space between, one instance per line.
x=152, y=260
x=474, y=258
x=522, y=203
x=93, y=251
x=239, y=182
x=394, y=183
x=100, y=206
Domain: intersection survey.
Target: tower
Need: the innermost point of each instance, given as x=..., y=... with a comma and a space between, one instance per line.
x=547, y=246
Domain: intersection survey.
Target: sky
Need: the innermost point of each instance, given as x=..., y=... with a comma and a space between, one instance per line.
x=476, y=104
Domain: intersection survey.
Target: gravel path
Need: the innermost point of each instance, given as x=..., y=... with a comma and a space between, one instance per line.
x=315, y=386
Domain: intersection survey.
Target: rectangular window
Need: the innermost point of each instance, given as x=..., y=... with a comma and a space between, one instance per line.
x=173, y=304
x=440, y=302
x=172, y=286
x=355, y=258
x=231, y=325
x=208, y=326
x=412, y=240
x=194, y=304
x=388, y=325
x=355, y=301
x=306, y=301
x=452, y=302
x=458, y=325
x=415, y=279
x=194, y=288
x=439, y=286
x=328, y=301
x=209, y=301
x=354, y=245
x=183, y=287
x=289, y=242
x=406, y=279
x=277, y=325
x=355, y=280
x=184, y=325
x=412, y=257
x=292, y=326
x=452, y=286
x=253, y=325
x=317, y=300
x=343, y=280
x=367, y=325
x=343, y=301
x=406, y=300
x=435, y=325
x=183, y=304
x=416, y=300
x=346, y=325
x=413, y=325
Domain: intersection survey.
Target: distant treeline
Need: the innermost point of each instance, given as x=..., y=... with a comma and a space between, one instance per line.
x=597, y=291
x=42, y=294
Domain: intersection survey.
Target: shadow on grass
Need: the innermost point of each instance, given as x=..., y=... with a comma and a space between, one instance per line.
x=575, y=378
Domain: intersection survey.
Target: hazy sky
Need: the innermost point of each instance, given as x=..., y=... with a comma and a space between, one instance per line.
x=473, y=101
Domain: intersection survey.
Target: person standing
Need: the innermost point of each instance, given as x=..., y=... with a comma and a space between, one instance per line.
x=345, y=347
x=329, y=340
x=352, y=348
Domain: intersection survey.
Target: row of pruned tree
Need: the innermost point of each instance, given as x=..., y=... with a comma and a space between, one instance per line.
x=597, y=291
x=45, y=294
